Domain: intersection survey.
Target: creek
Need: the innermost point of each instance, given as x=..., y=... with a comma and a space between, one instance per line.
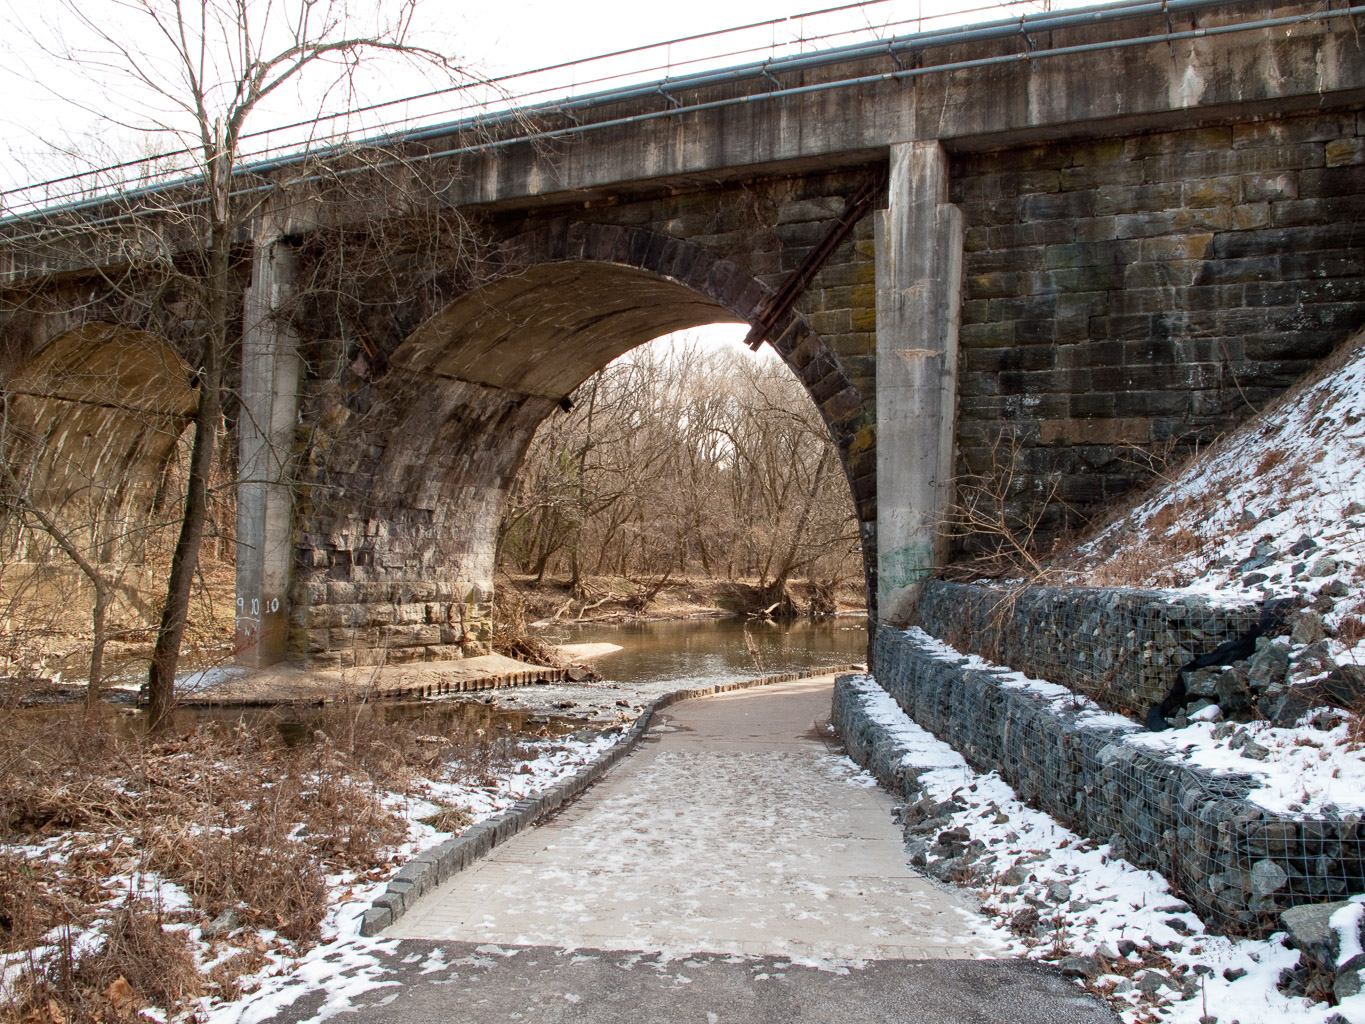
x=655, y=657
x=674, y=654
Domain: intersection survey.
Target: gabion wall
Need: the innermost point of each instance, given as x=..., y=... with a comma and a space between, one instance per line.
x=1119, y=647
x=1237, y=864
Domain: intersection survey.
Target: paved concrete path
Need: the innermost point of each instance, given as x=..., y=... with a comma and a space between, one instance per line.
x=731, y=871
x=733, y=829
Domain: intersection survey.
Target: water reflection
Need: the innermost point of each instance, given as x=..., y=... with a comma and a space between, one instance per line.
x=701, y=652
x=657, y=657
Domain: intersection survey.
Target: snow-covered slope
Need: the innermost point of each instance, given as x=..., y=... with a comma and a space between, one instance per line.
x=1277, y=508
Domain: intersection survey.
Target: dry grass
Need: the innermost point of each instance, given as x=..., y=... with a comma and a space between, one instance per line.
x=1270, y=460
x=230, y=815
x=45, y=625
x=214, y=811
x=1149, y=553
x=140, y=962
x=1352, y=628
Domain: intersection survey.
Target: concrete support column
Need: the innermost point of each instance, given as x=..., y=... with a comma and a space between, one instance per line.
x=919, y=289
x=265, y=517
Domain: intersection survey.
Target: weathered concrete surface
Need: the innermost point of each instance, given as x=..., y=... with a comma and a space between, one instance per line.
x=735, y=831
x=919, y=293
x=1157, y=85
x=484, y=984
x=265, y=438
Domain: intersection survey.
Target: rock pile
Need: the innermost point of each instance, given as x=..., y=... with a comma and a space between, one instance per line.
x=1329, y=938
x=1122, y=648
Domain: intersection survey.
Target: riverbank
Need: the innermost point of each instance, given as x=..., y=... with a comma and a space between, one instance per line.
x=619, y=598
x=536, y=609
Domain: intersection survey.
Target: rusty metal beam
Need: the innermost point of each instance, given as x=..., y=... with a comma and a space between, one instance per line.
x=795, y=285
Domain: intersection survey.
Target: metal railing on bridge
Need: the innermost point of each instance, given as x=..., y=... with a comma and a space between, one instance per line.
x=863, y=29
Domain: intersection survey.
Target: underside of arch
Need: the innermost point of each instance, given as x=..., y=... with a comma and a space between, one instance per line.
x=90, y=425
x=547, y=329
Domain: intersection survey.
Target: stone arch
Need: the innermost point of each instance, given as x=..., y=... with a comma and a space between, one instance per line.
x=91, y=419
x=405, y=494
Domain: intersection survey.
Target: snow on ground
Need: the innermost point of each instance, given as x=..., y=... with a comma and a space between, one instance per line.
x=342, y=964
x=1312, y=769
x=1153, y=959
x=556, y=759
x=345, y=964
x=1275, y=509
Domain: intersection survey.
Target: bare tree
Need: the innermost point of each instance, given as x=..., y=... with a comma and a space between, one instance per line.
x=677, y=459
x=195, y=72
x=19, y=506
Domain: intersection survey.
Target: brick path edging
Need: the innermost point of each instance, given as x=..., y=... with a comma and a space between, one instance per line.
x=432, y=867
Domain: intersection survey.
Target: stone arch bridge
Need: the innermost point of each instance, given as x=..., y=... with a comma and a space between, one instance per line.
x=1099, y=233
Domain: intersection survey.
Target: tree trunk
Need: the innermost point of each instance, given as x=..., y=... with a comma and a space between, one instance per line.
x=97, y=618
x=185, y=560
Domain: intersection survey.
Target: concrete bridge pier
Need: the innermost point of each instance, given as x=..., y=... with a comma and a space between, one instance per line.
x=269, y=410
x=919, y=247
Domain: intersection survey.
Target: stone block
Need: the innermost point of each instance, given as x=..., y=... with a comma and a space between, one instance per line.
x=1215, y=137
x=996, y=285
x=998, y=334
x=1057, y=205
x=1248, y=216
x=443, y=652
x=1138, y=198
x=1100, y=174
x=1188, y=245
x=1010, y=235
x=1088, y=254
x=1012, y=260
x=1344, y=152
x=1208, y=192
x=1094, y=278
x=375, y=920
x=821, y=209
x=1241, y=270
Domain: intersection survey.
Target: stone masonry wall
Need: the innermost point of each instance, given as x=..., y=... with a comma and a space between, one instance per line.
x=1119, y=647
x=766, y=227
x=1237, y=864
x=1133, y=295
x=397, y=510
x=403, y=476
x=1123, y=299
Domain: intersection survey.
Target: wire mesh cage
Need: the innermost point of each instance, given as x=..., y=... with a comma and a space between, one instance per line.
x=1236, y=863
